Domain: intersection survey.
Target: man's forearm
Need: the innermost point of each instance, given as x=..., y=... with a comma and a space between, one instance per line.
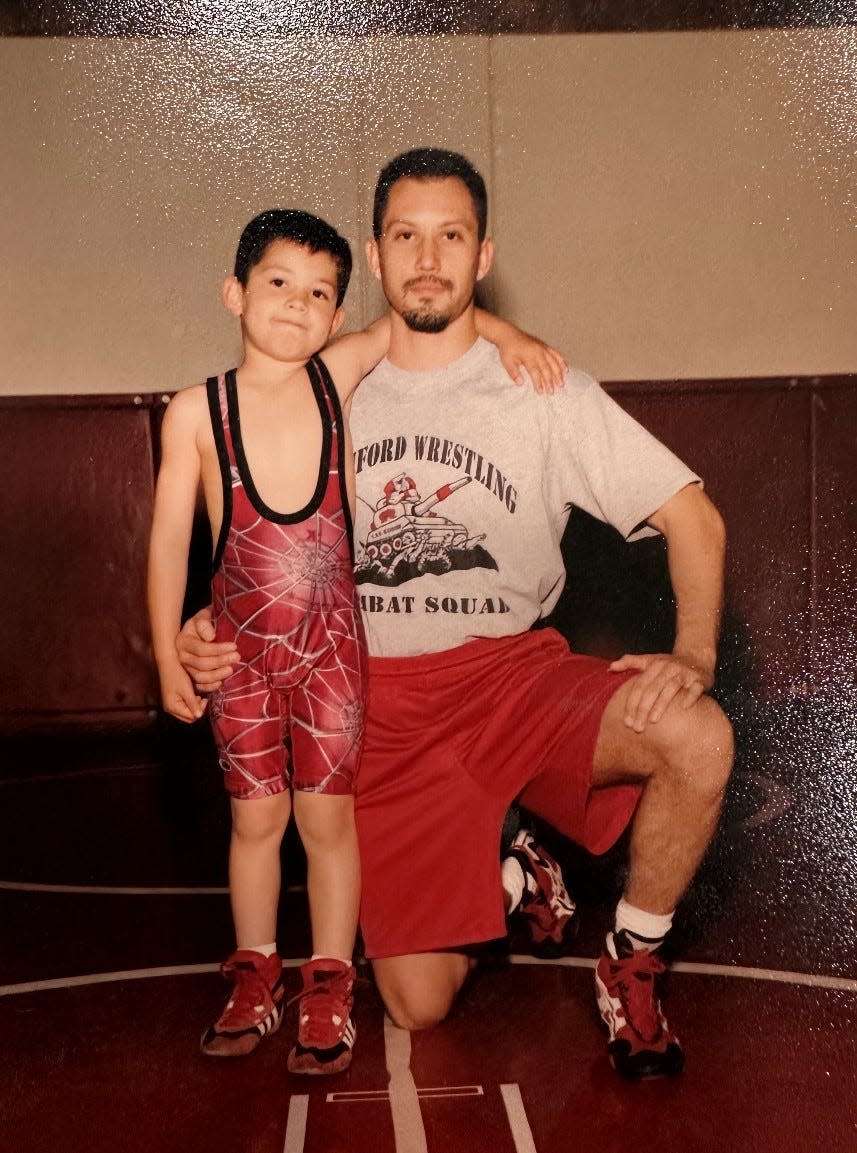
x=696, y=550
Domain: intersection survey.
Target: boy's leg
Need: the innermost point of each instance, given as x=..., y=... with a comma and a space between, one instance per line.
x=326, y=1030
x=254, y=1008
x=258, y=827
x=329, y=837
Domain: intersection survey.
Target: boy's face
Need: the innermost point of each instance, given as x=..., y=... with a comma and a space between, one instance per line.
x=288, y=309
x=429, y=256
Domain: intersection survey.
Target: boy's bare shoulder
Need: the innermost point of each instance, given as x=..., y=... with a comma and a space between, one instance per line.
x=188, y=404
x=187, y=415
x=190, y=398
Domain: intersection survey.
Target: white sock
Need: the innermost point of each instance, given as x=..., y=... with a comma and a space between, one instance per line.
x=329, y=957
x=647, y=929
x=514, y=881
x=265, y=950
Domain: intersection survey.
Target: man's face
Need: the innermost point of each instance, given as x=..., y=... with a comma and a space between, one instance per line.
x=429, y=256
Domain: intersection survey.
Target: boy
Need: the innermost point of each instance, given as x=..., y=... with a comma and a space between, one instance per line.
x=269, y=443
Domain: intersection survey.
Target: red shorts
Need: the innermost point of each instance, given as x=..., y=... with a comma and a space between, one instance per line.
x=452, y=739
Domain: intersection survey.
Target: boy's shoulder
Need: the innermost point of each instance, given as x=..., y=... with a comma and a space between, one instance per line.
x=189, y=400
x=188, y=409
x=191, y=394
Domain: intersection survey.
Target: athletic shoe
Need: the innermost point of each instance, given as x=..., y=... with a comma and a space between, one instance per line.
x=255, y=1008
x=326, y=1031
x=511, y=826
x=546, y=904
x=641, y=1043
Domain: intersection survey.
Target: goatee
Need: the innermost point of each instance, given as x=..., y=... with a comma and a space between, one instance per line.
x=426, y=321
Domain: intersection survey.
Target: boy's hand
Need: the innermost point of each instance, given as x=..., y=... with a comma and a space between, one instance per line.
x=209, y=663
x=527, y=357
x=178, y=696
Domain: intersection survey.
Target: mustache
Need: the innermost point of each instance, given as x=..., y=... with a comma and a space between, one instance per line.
x=417, y=281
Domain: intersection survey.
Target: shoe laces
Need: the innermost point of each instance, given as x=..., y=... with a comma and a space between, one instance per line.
x=327, y=1001
x=251, y=993
x=632, y=980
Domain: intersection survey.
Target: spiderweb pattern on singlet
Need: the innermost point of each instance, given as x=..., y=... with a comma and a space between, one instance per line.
x=284, y=592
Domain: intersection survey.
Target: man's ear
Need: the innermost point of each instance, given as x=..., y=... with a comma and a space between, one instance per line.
x=373, y=258
x=486, y=257
x=232, y=291
x=336, y=324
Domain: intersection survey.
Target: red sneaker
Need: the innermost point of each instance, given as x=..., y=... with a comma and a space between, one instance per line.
x=326, y=1031
x=546, y=904
x=641, y=1043
x=255, y=1008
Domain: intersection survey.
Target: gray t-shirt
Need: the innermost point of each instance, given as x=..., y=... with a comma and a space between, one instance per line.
x=465, y=482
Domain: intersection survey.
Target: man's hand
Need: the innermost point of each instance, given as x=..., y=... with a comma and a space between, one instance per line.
x=209, y=663
x=663, y=678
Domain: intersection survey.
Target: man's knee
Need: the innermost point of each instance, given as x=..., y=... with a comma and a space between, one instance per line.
x=420, y=1011
x=419, y=991
x=697, y=744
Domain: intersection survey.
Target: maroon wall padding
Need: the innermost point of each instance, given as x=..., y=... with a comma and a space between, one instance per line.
x=777, y=457
x=751, y=442
x=75, y=506
x=835, y=532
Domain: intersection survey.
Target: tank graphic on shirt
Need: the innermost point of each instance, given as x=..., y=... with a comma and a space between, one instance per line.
x=407, y=538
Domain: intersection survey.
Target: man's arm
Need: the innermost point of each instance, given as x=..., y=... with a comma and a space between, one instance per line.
x=351, y=357
x=696, y=548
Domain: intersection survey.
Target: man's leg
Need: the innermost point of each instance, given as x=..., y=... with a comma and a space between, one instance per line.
x=419, y=989
x=534, y=890
x=683, y=763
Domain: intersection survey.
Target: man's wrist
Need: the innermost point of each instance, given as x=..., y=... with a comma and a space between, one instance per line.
x=703, y=658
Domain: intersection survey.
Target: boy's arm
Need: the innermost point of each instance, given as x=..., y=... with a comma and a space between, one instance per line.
x=351, y=357
x=175, y=501
x=523, y=355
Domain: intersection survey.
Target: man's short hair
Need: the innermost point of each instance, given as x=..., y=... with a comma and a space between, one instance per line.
x=299, y=227
x=430, y=164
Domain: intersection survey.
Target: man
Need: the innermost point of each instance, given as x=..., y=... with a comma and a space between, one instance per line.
x=464, y=487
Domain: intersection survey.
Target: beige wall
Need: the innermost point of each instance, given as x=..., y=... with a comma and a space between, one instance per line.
x=665, y=205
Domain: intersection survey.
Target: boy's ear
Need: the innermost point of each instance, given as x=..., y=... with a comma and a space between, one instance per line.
x=338, y=320
x=486, y=257
x=372, y=258
x=232, y=291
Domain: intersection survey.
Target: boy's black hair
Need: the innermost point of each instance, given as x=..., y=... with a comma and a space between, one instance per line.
x=430, y=164
x=301, y=228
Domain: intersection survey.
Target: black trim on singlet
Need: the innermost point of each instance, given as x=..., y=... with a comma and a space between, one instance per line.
x=244, y=469
x=318, y=365
x=212, y=389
